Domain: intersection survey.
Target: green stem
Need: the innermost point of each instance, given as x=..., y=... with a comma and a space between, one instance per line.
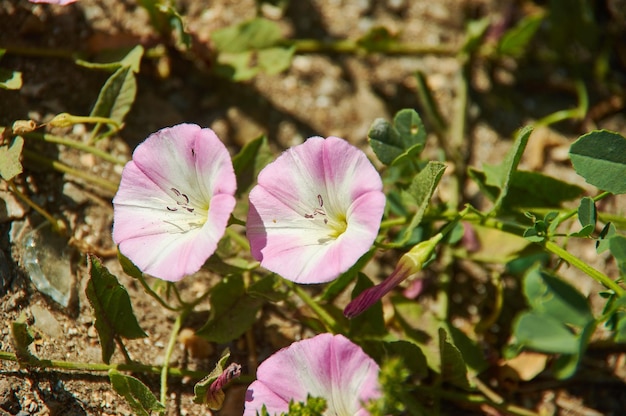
x=155, y=295
x=168, y=353
x=329, y=322
x=58, y=226
x=238, y=238
x=352, y=47
x=129, y=367
x=584, y=267
x=61, y=167
x=76, y=145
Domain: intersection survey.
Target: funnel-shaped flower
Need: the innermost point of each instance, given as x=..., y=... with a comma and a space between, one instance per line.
x=315, y=211
x=410, y=263
x=326, y=366
x=174, y=201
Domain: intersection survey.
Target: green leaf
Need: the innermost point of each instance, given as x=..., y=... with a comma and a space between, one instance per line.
x=137, y=395
x=603, y=243
x=112, y=308
x=549, y=295
x=378, y=39
x=587, y=216
x=543, y=333
x=233, y=311
x=257, y=34
x=534, y=189
x=10, y=164
x=371, y=322
x=617, y=245
x=117, y=95
x=201, y=388
x=128, y=266
x=400, y=142
x=474, y=34
x=165, y=18
x=453, y=368
x=242, y=66
x=21, y=338
x=113, y=60
x=253, y=157
x=499, y=176
x=600, y=158
x=270, y=288
x=419, y=194
x=515, y=40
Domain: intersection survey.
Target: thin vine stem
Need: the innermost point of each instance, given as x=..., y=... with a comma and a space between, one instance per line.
x=76, y=145
x=57, y=225
x=61, y=167
x=168, y=352
x=329, y=322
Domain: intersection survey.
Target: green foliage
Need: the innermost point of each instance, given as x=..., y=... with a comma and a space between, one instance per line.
x=600, y=158
x=541, y=229
x=515, y=41
x=233, y=311
x=137, y=395
x=165, y=19
x=377, y=39
x=253, y=157
x=117, y=95
x=10, y=155
x=201, y=390
x=399, y=142
x=494, y=181
x=111, y=61
x=559, y=320
x=247, y=48
x=21, y=338
x=397, y=397
x=417, y=196
x=112, y=308
x=587, y=216
x=453, y=368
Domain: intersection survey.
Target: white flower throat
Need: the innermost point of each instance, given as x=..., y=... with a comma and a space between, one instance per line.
x=335, y=224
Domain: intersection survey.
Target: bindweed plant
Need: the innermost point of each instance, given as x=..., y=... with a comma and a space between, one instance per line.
x=301, y=230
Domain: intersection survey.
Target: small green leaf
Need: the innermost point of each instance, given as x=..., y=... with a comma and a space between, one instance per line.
x=10, y=164
x=253, y=157
x=534, y=189
x=543, y=333
x=128, y=266
x=117, y=95
x=113, y=60
x=474, y=34
x=587, y=216
x=397, y=143
x=242, y=66
x=600, y=158
x=378, y=39
x=515, y=41
x=617, y=245
x=21, y=338
x=270, y=288
x=499, y=176
x=254, y=34
x=603, y=243
x=371, y=322
x=419, y=194
x=453, y=368
x=233, y=311
x=137, y=395
x=112, y=308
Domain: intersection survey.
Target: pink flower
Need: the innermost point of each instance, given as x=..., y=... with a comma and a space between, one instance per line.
x=409, y=264
x=59, y=2
x=174, y=201
x=315, y=211
x=327, y=366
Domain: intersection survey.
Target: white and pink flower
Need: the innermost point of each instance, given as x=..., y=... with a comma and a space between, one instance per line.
x=174, y=201
x=327, y=366
x=315, y=210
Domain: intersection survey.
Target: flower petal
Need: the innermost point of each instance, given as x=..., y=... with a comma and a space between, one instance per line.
x=327, y=366
x=301, y=196
x=174, y=201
